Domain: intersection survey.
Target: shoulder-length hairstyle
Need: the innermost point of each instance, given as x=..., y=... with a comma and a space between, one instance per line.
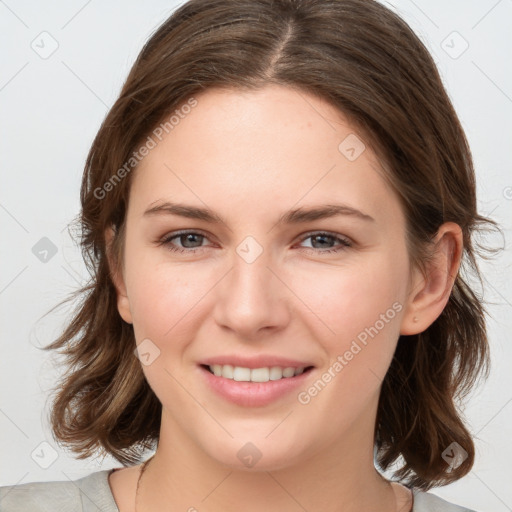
x=366, y=61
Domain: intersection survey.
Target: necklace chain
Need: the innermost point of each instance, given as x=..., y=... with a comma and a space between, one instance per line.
x=142, y=469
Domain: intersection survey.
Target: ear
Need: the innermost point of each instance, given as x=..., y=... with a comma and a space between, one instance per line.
x=116, y=274
x=428, y=294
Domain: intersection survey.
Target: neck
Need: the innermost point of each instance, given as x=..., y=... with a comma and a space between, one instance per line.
x=182, y=476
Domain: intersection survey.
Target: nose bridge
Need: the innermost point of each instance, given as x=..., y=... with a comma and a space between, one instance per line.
x=251, y=278
x=251, y=275
x=251, y=298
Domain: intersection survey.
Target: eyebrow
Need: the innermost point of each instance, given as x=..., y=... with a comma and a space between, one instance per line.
x=295, y=216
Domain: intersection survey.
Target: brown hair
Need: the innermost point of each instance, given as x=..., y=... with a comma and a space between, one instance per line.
x=364, y=60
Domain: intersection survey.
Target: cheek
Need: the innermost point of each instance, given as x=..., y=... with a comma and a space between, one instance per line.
x=349, y=300
x=165, y=297
x=359, y=308
x=167, y=303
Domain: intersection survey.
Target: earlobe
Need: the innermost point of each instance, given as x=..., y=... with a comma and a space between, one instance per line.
x=430, y=293
x=116, y=274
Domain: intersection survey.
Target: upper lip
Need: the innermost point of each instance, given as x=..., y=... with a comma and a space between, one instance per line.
x=260, y=361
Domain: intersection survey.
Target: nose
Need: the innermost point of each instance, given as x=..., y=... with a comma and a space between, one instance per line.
x=252, y=300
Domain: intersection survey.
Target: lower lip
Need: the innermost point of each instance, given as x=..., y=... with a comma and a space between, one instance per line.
x=253, y=394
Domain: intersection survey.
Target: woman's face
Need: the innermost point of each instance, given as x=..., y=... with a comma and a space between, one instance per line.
x=266, y=285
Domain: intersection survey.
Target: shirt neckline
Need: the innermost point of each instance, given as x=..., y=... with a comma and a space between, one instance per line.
x=108, y=490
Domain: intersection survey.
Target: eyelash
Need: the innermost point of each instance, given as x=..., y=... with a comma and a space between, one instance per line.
x=344, y=242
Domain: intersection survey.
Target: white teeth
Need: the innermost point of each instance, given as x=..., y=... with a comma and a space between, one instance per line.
x=242, y=374
x=288, y=372
x=260, y=374
x=276, y=373
x=227, y=371
x=216, y=369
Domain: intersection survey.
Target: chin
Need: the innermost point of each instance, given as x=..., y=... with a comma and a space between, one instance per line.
x=258, y=455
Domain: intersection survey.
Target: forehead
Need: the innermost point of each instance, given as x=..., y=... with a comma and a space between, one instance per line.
x=270, y=148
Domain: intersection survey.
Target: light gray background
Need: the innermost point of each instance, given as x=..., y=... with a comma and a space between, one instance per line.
x=51, y=109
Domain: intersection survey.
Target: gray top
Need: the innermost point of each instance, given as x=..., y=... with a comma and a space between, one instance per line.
x=92, y=493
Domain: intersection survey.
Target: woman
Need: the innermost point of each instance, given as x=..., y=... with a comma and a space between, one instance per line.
x=276, y=212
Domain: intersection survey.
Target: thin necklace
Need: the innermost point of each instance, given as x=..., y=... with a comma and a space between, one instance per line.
x=142, y=469
x=145, y=464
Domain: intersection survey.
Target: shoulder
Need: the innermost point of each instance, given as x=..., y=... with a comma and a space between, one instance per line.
x=427, y=502
x=90, y=493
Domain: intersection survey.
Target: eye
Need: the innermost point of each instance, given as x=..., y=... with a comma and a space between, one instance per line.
x=322, y=239
x=191, y=241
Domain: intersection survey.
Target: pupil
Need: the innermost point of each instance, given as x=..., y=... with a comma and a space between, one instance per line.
x=188, y=238
x=322, y=237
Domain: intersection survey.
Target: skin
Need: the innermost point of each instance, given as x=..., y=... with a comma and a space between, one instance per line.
x=249, y=157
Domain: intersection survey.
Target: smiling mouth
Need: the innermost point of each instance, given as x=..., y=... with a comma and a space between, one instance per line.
x=257, y=375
